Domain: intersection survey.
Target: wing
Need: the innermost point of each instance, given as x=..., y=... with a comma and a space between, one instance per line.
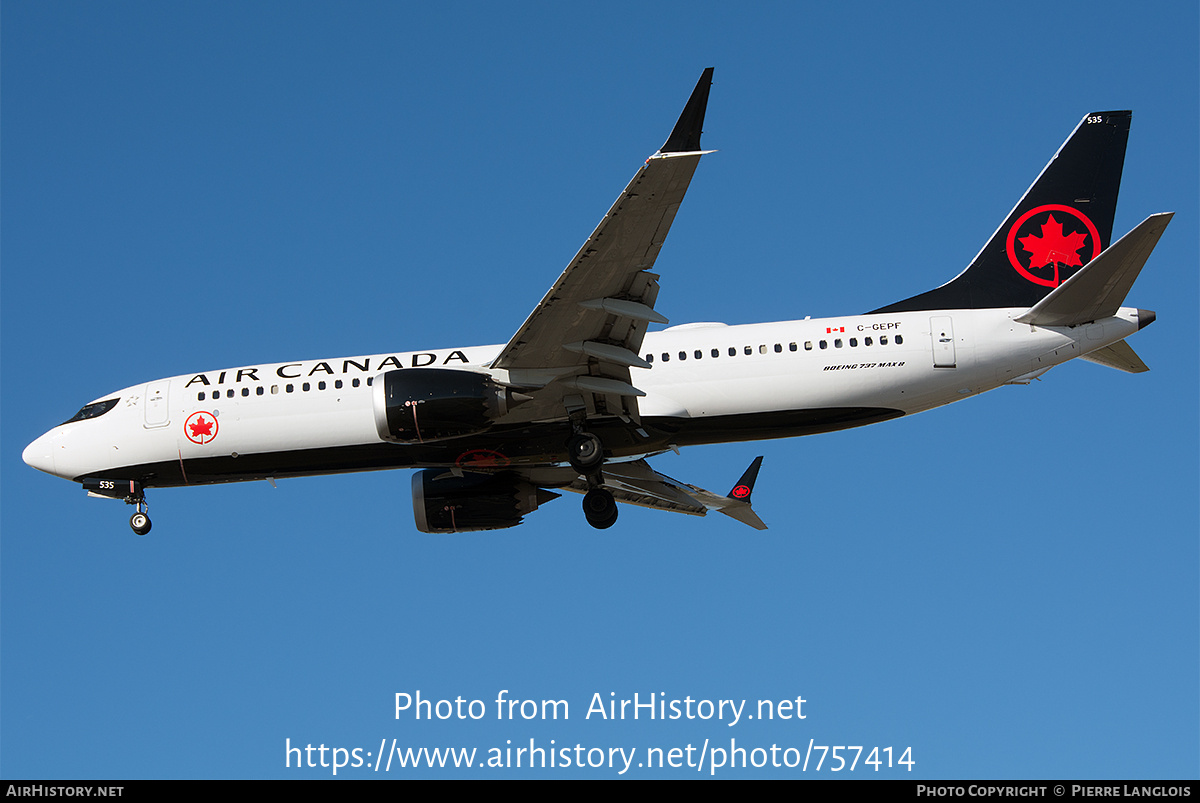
x=576, y=348
x=637, y=484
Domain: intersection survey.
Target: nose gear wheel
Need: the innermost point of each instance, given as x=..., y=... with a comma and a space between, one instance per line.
x=139, y=522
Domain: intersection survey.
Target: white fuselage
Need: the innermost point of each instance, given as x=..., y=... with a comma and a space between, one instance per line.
x=900, y=362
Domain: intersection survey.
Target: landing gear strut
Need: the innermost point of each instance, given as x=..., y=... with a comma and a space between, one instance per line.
x=585, y=453
x=127, y=490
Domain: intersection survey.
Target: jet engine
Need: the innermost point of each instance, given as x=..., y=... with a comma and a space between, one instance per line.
x=419, y=405
x=446, y=503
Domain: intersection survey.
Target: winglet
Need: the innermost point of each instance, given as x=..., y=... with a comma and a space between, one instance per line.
x=686, y=134
x=745, y=486
x=739, y=505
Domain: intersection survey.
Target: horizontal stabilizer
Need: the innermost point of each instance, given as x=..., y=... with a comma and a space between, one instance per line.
x=1119, y=355
x=1100, y=287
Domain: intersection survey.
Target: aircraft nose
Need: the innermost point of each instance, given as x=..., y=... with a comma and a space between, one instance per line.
x=40, y=454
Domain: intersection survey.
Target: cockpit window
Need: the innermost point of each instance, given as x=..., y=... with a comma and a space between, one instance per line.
x=93, y=410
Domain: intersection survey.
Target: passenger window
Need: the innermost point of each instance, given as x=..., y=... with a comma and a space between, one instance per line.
x=354, y=382
x=229, y=393
x=791, y=346
x=716, y=352
x=698, y=354
x=245, y=391
x=867, y=341
x=778, y=349
x=749, y=350
x=200, y=396
x=274, y=389
x=306, y=387
x=733, y=351
x=258, y=391
x=650, y=358
x=320, y=386
x=824, y=345
x=883, y=340
x=290, y=388
x=899, y=339
x=837, y=343
x=666, y=357
x=370, y=379
x=338, y=384
x=808, y=345
x=683, y=355
x=853, y=342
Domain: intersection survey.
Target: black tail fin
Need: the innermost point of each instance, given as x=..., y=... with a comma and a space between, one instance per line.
x=1062, y=223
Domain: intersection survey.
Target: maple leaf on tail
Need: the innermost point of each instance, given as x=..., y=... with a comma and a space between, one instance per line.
x=201, y=427
x=1053, y=246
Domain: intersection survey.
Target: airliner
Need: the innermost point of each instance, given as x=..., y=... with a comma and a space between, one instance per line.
x=583, y=394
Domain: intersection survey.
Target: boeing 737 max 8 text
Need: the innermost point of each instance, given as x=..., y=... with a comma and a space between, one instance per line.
x=583, y=394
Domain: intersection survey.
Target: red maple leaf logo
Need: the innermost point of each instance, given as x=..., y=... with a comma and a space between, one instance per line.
x=482, y=458
x=201, y=427
x=1053, y=246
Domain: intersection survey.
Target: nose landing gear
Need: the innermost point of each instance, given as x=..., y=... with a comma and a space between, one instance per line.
x=139, y=522
x=129, y=491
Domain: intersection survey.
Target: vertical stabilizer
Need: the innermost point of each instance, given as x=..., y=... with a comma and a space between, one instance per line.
x=1063, y=222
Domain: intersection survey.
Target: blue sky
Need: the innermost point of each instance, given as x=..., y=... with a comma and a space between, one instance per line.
x=190, y=186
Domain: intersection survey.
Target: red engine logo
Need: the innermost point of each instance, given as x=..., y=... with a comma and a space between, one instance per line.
x=1048, y=241
x=200, y=428
x=481, y=458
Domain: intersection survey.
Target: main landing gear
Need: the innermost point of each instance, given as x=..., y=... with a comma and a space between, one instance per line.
x=600, y=508
x=586, y=454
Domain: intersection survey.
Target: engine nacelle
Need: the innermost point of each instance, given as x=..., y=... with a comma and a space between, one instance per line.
x=445, y=503
x=419, y=405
